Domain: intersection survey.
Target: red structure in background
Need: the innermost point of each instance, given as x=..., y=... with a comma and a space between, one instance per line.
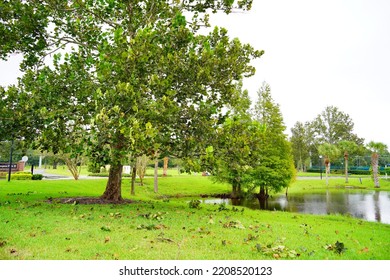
x=15, y=167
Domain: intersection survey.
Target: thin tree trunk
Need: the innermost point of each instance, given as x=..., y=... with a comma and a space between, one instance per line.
x=165, y=168
x=133, y=176
x=113, y=190
x=374, y=162
x=72, y=168
x=236, y=189
x=156, y=175
x=327, y=170
x=346, y=166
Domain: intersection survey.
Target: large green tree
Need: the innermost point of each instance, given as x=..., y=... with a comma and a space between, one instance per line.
x=332, y=126
x=146, y=82
x=234, y=154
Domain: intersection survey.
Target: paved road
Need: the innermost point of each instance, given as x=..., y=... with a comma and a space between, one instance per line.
x=49, y=176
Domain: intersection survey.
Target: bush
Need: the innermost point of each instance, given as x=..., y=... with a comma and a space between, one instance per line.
x=37, y=177
x=93, y=167
x=21, y=176
x=359, y=172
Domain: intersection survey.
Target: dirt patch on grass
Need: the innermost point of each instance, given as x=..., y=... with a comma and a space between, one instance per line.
x=90, y=200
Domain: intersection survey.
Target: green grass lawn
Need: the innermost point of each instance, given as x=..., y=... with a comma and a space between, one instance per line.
x=158, y=226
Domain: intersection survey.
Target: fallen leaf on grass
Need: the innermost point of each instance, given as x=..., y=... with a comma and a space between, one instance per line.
x=105, y=228
x=234, y=224
x=164, y=239
x=338, y=247
x=364, y=250
x=107, y=239
x=152, y=227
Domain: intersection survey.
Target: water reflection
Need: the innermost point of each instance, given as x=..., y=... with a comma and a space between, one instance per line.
x=371, y=206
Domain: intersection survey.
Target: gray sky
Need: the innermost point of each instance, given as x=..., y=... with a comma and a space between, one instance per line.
x=317, y=53
x=320, y=53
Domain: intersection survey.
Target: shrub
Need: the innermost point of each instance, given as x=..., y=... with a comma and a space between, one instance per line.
x=37, y=177
x=21, y=176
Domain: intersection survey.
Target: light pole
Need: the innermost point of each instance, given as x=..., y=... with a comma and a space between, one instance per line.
x=320, y=166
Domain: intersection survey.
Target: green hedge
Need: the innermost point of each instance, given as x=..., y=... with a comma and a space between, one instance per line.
x=21, y=176
x=37, y=177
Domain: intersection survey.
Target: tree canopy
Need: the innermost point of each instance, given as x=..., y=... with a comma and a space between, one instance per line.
x=252, y=151
x=126, y=76
x=332, y=126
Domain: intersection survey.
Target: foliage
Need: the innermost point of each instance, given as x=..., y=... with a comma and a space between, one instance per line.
x=275, y=167
x=300, y=145
x=234, y=153
x=37, y=177
x=133, y=78
x=330, y=151
x=91, y=232
x=21, y=176
x=333, y=126
x=252, y=153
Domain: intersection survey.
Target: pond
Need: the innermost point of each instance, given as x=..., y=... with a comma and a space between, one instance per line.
x=370, y=206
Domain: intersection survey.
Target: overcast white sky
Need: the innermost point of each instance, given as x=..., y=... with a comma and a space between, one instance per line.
x=320, y=53
x=317, y=53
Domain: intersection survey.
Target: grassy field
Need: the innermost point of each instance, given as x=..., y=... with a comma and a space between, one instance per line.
x=34, y=225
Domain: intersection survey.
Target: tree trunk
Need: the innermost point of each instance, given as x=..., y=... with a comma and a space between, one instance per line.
x=72, y=166
x=235, y=190
x=327, y=170
x=165, y=169
x=374, y=162
x=113, y=190
x=346, y=166
x=133, y=176
x=55, y=163
x=156, y=175
x=262, y=196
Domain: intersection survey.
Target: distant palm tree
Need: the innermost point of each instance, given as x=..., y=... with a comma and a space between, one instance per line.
x=376, y=148
x=347, y=147
x=330, y=152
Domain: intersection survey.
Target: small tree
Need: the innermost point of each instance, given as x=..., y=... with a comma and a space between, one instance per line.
x=330, y=152
x=376, y=149
x=142, y=162
x=347, y=147
x=300, y=145
x=275, y=167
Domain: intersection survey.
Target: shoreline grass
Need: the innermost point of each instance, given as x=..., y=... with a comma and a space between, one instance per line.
x=156, y=229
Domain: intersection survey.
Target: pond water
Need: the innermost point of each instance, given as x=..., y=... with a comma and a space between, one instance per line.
x=370, y=206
